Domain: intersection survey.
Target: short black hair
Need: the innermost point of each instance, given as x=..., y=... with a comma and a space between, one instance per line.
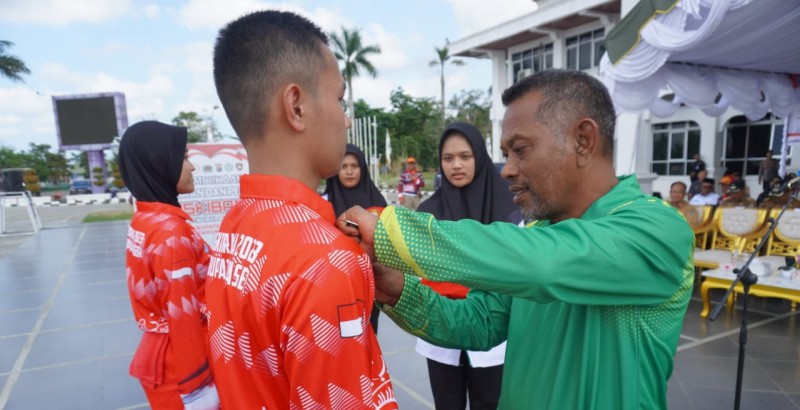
x=568, y=95
x=257, y=53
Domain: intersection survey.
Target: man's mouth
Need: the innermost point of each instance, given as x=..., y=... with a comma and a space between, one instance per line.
x=518, y=192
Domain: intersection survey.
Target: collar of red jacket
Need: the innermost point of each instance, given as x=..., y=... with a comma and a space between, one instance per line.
x=159, y=207
x=284, y=189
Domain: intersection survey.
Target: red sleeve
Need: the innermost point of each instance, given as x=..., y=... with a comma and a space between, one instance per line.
x=325, y=321
x=183, y=261
x=447, y=289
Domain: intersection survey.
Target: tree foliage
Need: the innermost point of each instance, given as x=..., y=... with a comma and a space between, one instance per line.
x=11, y=66
x=354, y=56
x=48, y=166
x=197, y=126
x=99, y=179
x=472, y=106
x=415, y=128
x=442, y=58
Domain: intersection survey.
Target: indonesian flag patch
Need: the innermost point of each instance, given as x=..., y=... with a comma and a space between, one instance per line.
x=351, y=319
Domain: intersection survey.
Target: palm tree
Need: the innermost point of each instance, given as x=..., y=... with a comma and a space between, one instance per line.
x=443, y=57
x=11, y=66
x=348, y=49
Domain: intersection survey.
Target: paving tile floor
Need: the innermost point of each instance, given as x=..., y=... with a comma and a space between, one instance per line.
x=67, y=336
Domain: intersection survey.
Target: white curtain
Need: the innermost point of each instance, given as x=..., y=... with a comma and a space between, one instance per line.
x=712, y=54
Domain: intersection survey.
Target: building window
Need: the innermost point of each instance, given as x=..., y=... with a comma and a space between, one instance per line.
x=674, y=147
x=747, y=142
x=585, y=50
x=533, y=60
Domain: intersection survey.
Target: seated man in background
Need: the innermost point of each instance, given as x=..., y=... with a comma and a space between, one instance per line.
x=695, y=186
x=738, y=196
x=778, y=196
x=707, y=196
x=677, y=198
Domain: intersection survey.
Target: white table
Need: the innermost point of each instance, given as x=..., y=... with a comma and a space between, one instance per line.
x=772, y=285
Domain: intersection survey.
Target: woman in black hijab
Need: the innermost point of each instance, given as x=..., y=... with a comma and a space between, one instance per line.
x=353, y=186
x=472, y=188
x=166, y=261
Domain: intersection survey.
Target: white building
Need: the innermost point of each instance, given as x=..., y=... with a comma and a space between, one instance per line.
x=571, y=34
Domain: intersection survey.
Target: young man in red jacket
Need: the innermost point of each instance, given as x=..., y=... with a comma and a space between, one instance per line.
x=288, y=294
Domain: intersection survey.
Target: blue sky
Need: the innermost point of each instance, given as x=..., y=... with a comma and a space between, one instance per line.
x=159, y=52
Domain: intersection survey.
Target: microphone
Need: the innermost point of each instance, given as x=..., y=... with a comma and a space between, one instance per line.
x=792, y=184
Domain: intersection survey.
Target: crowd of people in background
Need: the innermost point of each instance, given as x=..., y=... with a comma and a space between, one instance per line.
x=734, y=191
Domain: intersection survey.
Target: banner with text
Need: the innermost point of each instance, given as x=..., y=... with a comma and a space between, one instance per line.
x=216, y=185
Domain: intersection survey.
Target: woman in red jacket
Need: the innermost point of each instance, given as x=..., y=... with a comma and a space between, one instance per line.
x=166, y=261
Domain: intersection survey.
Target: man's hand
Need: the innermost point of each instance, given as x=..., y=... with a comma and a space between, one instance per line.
x=364, y=229
x=388, y=284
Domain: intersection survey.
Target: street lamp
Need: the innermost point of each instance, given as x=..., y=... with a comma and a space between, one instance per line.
x=115, y=145
x=209, y=121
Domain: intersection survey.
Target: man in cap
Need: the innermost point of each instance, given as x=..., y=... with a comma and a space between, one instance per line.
x=738, y=196
x=409, y=190
x=778, y=196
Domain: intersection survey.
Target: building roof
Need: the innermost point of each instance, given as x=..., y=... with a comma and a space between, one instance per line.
x=550, y=18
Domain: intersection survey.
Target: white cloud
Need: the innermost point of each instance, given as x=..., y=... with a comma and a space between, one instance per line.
x=198, y=57
x=213, y=14
x=63, y=12
x=152, y=11
x=392, y=55
x=28, y=113
x=476, y=15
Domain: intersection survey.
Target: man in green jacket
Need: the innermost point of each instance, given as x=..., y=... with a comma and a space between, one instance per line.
x=591, y=299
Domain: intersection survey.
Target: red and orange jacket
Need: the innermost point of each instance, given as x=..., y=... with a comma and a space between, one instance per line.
x=289, y=298
x=166, y=263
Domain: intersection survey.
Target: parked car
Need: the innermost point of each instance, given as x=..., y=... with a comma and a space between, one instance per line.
x=80, y=186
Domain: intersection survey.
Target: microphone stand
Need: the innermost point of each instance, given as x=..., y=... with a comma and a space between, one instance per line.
x=747, y=278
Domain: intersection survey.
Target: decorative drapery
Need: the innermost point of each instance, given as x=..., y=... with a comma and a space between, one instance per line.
x=710, y=54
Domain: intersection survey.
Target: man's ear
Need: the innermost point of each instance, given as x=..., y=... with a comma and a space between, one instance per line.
x=292, y=103
x=587, y=141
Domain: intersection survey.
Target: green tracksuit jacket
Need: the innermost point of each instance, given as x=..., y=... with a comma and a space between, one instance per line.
x=592, y=308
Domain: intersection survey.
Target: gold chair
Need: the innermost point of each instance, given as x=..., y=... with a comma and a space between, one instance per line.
x=785, y=239
x=704, y=225
x=735, y=229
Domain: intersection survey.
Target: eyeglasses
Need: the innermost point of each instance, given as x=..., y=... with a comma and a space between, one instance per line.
x=707, y=186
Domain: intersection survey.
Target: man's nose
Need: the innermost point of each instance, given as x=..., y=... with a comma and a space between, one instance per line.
x=509, y=171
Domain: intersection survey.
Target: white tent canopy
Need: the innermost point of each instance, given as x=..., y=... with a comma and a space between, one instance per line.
x=712, y=54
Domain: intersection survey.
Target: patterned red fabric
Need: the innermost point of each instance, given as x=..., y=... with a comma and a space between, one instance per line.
x=290, y=297
x=166, y=263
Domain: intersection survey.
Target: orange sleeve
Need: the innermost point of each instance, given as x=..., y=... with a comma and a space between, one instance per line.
x=182, y=260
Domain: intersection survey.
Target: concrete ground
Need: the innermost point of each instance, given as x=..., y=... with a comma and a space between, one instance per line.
x=67, y=333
